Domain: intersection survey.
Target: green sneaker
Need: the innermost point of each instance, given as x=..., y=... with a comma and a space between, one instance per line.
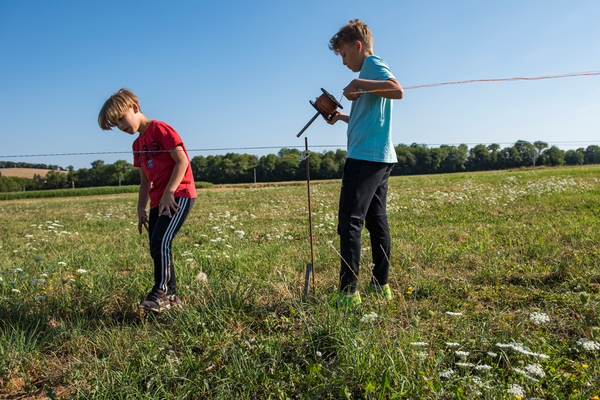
x=384, y=291
x=348, y=300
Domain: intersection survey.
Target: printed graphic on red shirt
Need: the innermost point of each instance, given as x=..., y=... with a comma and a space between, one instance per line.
x=151, y=154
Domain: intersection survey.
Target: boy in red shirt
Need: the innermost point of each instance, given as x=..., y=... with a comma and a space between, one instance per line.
x=167, y=180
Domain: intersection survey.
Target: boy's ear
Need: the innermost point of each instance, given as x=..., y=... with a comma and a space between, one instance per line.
x=359, y=45
x=135, y=108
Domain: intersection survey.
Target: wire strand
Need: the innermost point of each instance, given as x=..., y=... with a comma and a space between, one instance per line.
x=567, y=75
x=334, y=146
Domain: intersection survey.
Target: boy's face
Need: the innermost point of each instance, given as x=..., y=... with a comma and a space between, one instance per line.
x=129, y=122
x=352, y=55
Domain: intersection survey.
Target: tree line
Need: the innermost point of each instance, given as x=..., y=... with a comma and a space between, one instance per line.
x=289, y=165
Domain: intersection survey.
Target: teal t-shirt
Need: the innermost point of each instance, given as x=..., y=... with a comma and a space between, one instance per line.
x=370, y=122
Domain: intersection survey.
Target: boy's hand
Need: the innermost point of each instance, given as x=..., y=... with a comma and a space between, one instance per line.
x=349, y=91
x=337, y=116
x=168, y=203
x=142, y=220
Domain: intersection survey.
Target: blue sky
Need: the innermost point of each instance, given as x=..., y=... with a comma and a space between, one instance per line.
x=240, y=74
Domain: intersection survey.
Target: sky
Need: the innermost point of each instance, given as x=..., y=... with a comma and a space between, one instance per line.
x=239, y=75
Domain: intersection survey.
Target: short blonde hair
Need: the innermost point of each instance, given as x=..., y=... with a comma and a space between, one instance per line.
x=115, y=107
x=355, y=30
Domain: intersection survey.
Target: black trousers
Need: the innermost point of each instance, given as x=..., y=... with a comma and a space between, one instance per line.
x=363, y=202
x=161, y=231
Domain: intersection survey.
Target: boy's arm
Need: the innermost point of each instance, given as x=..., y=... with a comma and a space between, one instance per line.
x=143, y=200
x=390, y=89
x=167, y=202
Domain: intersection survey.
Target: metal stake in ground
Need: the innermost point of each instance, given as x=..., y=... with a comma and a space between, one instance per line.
x=310, y=266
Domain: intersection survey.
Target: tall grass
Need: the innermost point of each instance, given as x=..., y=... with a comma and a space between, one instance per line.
x=474, y=256
x=103, y=190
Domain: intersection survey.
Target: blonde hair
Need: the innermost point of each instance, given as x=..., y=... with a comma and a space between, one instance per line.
x=115, y=107
x=355, y=30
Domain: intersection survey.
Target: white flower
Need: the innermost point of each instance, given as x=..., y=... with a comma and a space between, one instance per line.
x=452, y=344
x=44, y=275
x=588, y=344
x=516, y=390
x=492, y=354
x=369, y=317
x=40, y=298
x=465, y=365
x=454, y=314
x=201, y=277
x=15, y=290
x=81, y=271
x=17, y=271
x=535, y=369
x=330, y=242
x=28, y=236
x=462, y=353
x=419, y=344
x=319, y=354
x=539, y=318
x=239, y=234
x=62, y=263
x=526, y=375
x=36, y=281
x=483, y=368
x=422, y=355
x=521, y=349
x=447, y=373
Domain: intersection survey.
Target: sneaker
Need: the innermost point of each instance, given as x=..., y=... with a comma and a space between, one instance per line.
x=383, y=291
x=156, y=301
x=348, y=300
x=175, y=301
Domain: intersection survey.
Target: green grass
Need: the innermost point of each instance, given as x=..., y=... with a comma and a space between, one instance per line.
x=494, y=247
x=94, y=191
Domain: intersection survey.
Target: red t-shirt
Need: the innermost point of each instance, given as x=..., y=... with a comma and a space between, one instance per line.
x=149, y=154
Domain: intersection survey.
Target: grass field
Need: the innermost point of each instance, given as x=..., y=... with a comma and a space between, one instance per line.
x=496, y=284
x=26, y=172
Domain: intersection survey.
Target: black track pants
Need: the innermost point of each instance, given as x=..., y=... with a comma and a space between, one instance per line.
x=363, y=202
x=161, y=231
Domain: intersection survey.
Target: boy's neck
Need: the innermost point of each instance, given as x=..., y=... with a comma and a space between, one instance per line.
x=144, y=124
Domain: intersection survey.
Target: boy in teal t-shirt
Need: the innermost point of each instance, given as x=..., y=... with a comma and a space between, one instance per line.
x=371, y=157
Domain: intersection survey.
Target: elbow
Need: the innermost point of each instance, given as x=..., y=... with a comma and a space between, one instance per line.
x=400, y=92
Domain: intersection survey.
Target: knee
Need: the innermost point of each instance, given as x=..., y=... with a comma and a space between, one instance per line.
x=349, y=226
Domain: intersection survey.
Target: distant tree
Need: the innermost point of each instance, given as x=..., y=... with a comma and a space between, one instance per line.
x=510, y=158
x=479, y=158
x=526, y=152
x=539, y=146
x=199, y=168
x=495, y=155
x=266, y=168
x=554, y=156
x=574, y=157
x=592, y=154
x=452, y=158
x=406, y=160
x=55, y=180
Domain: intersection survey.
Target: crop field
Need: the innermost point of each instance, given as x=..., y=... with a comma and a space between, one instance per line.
x=496, y=282
x=26, y=172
